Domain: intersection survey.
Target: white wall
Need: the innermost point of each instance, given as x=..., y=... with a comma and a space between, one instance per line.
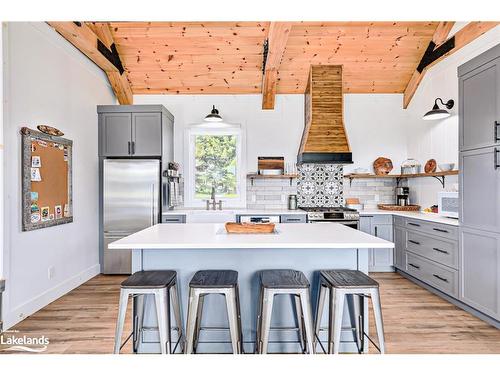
x=50, y=82
x=439, y=139
x=374, y=123
x=2, y=25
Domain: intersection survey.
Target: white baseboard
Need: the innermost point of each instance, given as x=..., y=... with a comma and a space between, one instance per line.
x=20, y=313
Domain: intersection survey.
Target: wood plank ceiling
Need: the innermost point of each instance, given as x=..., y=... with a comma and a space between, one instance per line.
x=227, y=57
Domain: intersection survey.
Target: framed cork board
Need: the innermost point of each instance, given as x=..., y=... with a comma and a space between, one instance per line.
x=46, y=173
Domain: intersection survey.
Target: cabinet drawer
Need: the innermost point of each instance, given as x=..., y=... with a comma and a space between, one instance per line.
x=290, y=219
x=173, y=219
x=439, y=250
x=440, y=277
x=433, y=229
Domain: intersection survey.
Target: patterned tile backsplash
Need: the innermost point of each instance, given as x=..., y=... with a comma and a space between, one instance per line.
x=320, y=185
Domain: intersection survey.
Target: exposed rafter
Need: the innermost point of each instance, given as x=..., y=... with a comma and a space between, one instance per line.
x=463, y=37
x=96, y=42
x=277, y=38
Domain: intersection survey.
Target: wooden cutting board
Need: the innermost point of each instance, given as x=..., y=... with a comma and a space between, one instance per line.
x=270, y=162
x=249, y=228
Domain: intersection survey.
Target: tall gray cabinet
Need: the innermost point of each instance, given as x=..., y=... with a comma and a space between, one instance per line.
x=479, y=138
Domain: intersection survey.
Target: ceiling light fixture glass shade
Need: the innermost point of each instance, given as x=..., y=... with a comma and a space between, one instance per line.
x=213, y=116
x=437, y=113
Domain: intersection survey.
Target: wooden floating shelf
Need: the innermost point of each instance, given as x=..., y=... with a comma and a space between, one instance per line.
x=253, y=176
x=440, y=176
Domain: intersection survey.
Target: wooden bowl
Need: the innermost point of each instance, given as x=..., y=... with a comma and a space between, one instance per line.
x=249, y=228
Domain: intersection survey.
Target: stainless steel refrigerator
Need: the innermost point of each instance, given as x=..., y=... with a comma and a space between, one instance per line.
x=131, y=202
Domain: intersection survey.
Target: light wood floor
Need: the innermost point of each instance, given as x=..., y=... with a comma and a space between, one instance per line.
x=416, y=321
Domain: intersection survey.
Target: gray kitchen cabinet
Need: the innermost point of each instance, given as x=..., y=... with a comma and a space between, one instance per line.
x=399, y=247
x=480, y=189
x=479, y=93
x=293, y=218
x=146, y=134
x=480, y=270
x=115, y=134
x=135, y=131
x=380, y=260
x=173, y=219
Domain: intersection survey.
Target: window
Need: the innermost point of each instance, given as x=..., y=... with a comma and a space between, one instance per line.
x=215, y=161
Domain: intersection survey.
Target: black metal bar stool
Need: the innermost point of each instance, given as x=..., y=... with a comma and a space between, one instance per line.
x=163, y=286
x=355, y=286
x=206, y=282
x=294, y=283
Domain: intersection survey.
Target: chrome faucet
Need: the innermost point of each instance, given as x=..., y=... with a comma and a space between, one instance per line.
x=212, y=202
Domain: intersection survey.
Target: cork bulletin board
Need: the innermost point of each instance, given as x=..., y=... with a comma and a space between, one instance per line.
x=46, y=173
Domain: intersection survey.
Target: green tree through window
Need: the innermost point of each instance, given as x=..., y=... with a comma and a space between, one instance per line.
x=215, y=165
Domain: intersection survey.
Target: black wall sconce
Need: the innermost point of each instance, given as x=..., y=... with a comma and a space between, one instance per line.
x=437, y=113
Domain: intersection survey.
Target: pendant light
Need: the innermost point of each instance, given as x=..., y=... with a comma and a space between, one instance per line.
x=437, y=113
x=213, y=116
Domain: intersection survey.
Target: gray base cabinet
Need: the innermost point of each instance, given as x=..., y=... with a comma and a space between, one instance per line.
x=380, y=260
x=480, y=270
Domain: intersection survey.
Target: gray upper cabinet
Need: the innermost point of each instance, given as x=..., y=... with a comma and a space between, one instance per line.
x=146, y=134
x=479, y=104
x=480, y=270
x=135, y=131
x=480, y=189
x=115, y=133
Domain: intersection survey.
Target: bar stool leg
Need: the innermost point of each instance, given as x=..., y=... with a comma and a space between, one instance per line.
x=122, y=311
x=162, y=316
x=177, y=314
x=355, y=303
x=191, y=320
x=199, y=315
x=258, y=326
x=266, y=318
x=319, y=313
x=238, y=310
x=305, y=300
x=138, y=319
x=337, y=310
x=300, y=321
x=232, y=316
x=377, y=312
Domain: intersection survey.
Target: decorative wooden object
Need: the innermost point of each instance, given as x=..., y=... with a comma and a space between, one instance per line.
x=249, y=228
x=324, y=124
x=46, y=180
x=430, y=166
x=382, y=166
x=50, y=130
x=395, y=207
x=269, y=162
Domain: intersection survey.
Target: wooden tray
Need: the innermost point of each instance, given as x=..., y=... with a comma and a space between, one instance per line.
x=249, y=228
x=394, y=207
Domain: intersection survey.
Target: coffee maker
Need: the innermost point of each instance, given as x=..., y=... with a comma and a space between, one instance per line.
x=403, y=196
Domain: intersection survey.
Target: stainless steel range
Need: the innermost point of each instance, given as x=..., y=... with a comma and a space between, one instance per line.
x=341, y=215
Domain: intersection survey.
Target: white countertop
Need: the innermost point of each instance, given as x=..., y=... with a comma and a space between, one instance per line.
x=435, y=218
x=213, y=236
x=235, y=211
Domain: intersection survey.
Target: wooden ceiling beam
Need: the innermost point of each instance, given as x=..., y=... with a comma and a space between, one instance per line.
x=464, y=36
x=86, y=38
x=277, y=38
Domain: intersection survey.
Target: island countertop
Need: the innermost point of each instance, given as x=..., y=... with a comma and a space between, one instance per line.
x=213, y=236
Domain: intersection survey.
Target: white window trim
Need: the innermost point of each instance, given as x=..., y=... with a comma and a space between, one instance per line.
x=196, y=129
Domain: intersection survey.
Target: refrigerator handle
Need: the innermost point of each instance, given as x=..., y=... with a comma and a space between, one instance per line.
x=153, y=204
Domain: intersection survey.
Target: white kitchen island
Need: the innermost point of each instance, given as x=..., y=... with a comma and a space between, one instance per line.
x=187, y=248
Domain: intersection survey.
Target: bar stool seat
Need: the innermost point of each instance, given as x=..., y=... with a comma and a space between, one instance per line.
x=295, y=284
x=150, y=279
x=353, y=286
x=162, y=285
x=348, y=279
x=214, y=279
x=283, y=279
x=207, y=282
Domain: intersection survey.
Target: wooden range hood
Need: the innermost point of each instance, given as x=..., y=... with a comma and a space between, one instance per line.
x=324, y=139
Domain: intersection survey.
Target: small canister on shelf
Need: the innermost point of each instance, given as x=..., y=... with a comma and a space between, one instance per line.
x=292, y=202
